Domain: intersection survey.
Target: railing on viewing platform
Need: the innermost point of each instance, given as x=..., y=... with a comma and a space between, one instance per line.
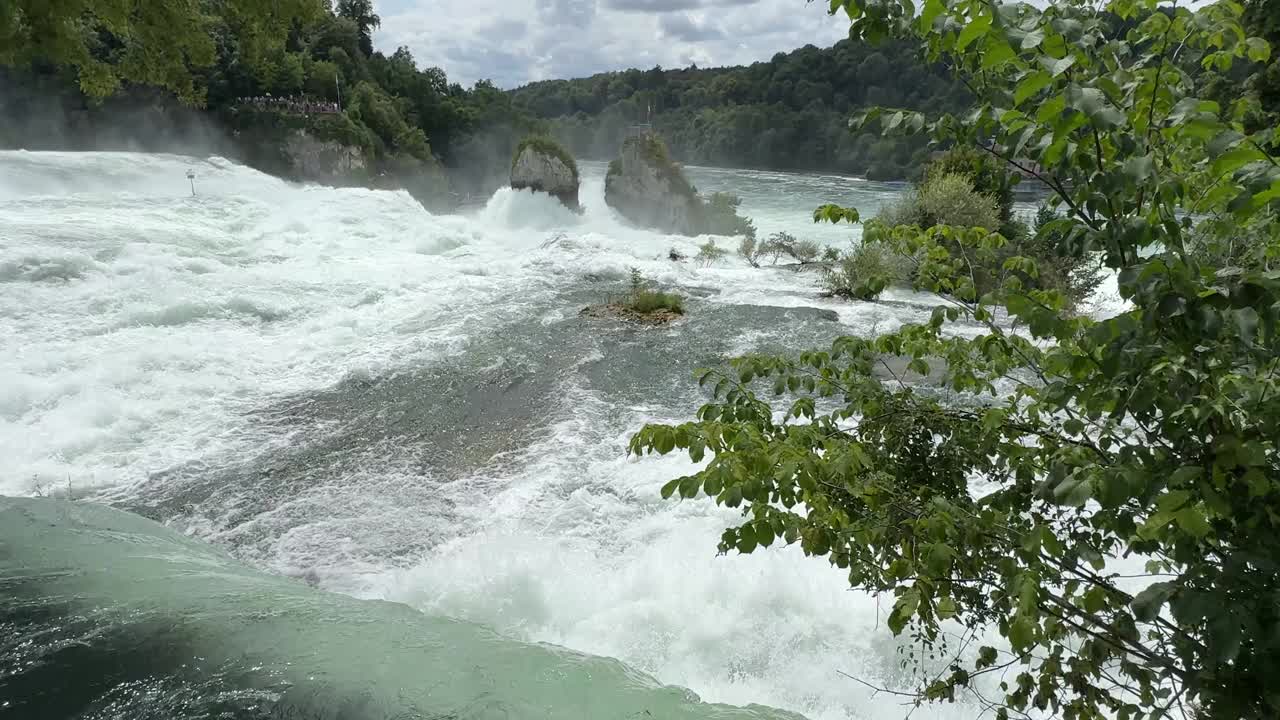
x=298, y=105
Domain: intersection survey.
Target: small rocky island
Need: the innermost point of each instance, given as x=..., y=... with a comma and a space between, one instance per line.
x=640, y=305
x=542, y=165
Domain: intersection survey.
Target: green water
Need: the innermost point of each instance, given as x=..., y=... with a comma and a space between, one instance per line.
x=113, y=616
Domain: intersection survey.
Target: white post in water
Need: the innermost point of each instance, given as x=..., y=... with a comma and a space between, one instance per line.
x=191, y=175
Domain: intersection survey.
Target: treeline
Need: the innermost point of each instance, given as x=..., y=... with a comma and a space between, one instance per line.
x=411, y=122
x=788, y=113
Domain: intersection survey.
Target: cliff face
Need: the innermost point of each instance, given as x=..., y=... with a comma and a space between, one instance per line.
x=649, y=190
x=324, y=160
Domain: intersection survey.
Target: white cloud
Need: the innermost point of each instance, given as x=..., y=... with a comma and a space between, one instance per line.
x=524, y=40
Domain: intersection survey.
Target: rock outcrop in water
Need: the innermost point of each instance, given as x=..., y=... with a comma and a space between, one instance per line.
x=650, y=190
x=541, y=165
x=647, y=188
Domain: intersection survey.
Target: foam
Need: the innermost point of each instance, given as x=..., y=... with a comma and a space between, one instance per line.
x=164, y=321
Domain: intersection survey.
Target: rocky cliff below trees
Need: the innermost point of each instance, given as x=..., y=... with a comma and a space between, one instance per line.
x=324, y=160
x=541, y=165
x=650, y=190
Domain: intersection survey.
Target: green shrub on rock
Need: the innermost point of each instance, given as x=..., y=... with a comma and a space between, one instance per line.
x=950, y=199
x=864, y=273
x=720, y=216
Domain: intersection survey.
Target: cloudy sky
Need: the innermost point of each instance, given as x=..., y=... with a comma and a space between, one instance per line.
x=516, y=41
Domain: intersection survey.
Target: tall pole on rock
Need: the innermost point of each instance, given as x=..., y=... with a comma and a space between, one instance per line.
x=191, y=175
x=338, y=87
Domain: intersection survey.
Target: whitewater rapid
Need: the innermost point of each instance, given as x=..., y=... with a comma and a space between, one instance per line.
x=338, y=386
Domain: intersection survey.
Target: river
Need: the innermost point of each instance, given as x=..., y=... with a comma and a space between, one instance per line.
x=338, y=388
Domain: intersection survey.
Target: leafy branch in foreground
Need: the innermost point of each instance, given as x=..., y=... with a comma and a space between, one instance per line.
x=1004, y=500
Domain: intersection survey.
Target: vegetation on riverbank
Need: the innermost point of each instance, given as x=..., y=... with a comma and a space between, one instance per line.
x=1001, y=505
x=90, y=90
x=965, y=189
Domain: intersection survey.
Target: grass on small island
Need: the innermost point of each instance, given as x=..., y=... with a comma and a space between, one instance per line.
x=649, y=301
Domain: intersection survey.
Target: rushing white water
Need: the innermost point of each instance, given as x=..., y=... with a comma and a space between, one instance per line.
x=302, y=375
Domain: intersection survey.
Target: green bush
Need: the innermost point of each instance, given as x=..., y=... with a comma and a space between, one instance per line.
x=950, y=199
x=778, y=244
x=720, y=216
x=904, y=210
x=864, y=273
x=1226, y=243
x=806, y=251
x=781, y=243
x=1073, y=270
x=709, y=253
x=751, y=251
x=987, y=174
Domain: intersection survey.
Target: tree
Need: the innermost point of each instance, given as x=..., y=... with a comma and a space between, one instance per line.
x=1003, y=504
x=114, y=41
x=785, y=113
x=361, y=13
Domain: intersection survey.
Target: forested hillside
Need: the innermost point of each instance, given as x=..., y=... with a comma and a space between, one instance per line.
x=111, y=93
x=788, y=113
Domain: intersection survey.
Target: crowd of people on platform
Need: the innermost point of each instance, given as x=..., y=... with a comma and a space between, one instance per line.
x=292, y=104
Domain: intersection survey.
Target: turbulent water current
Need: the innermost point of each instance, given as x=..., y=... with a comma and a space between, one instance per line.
x=332, y=397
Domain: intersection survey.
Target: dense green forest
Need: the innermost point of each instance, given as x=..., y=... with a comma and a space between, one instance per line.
x=788, y=113
x=409, y=121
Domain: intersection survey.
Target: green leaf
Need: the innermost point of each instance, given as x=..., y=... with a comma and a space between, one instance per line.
x=1021, y=632
x=1140, y=168
x=1056, y=67
x=1095, y=105
x=1146, y=604
x=996, y=52
x=1235, y=159
x=946, y=608
x=939, y=559
x=932, y=9
x=1030, y=85
x=1192, y=521
x=746, y=540
x=975, y=29
x=669, y=488
x=1173, y=499
x=664, y=440
x=1051, y=108
x=689, y=486
x=764, y=533
x=1095, y=599
x=1258, y=49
